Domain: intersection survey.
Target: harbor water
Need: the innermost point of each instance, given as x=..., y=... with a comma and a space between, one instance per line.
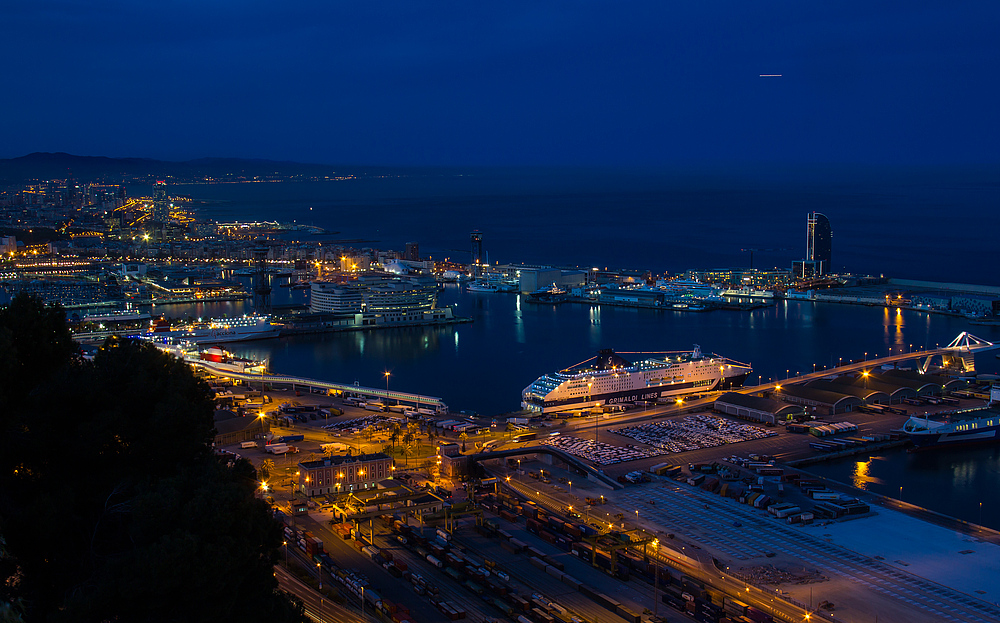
x=483, y=366
x=883, y=221
x=959, y=482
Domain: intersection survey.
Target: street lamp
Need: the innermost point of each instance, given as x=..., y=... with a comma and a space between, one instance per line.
x=656, y=574
x=386, y=384
x=319, y=574
x=980, y=504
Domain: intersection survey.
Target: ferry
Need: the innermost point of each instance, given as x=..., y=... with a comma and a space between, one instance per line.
x=609, y=379
x=748, y=292
x=216, y=330
x=215, y=358
x=970, y=426
x=116, y=316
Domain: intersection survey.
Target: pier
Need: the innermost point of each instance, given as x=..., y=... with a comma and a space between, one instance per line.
x=417, y=400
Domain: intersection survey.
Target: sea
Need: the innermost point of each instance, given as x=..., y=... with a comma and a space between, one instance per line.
x=937, y=225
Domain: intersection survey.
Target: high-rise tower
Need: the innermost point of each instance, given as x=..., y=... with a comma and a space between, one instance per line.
x=477, y=247
x=819, y=242
x=161, y=203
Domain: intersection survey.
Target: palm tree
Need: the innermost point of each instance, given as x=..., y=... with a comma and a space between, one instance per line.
x=394, y=433
x=266, y=469
x=509, y=428
x=462, y=438
x=408, y=438
x=394, y=436
x=407, y=452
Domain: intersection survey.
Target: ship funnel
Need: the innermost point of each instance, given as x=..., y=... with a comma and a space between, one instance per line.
x=696, y=353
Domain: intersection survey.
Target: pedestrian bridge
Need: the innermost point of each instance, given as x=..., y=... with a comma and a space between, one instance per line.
x=417, y=400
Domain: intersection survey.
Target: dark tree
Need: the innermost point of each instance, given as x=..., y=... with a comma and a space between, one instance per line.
x=112, y=504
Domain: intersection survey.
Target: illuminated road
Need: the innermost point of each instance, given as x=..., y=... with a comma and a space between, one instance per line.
x=317, y=607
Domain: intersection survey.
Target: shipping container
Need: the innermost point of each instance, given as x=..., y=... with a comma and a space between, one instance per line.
x=628, y=615
x=502, y=607
x=540, y=616
x=733, y=606
x=785, y=512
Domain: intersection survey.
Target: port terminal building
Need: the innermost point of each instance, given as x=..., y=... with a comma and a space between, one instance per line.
x=824, y=401
x=231, y=428
x=755, y=408
x=869, y=395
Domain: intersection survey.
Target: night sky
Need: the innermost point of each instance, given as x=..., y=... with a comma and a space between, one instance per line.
x=535, y=83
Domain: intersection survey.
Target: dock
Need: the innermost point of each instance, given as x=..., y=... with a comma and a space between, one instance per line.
x=418, y=400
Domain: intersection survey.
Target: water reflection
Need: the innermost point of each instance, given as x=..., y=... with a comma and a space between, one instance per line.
x=861, y=477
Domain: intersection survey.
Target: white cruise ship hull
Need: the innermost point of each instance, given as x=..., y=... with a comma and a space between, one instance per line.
x=616, y=381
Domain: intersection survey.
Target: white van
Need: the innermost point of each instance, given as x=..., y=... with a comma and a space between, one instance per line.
x=248, y=444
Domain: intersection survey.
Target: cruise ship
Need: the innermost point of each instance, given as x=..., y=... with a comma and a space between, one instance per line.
x=216, y=330
x=610, y=379
x=973, y=426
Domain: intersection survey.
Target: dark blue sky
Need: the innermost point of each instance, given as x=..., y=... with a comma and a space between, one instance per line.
x=575, y=82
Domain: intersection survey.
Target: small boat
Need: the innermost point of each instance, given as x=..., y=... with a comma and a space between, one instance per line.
x=550, y=294
x=482, y=286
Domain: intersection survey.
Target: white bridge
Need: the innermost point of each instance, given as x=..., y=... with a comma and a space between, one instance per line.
x=960, y=352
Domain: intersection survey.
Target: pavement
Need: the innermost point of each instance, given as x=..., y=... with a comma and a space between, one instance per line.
x=888, y=563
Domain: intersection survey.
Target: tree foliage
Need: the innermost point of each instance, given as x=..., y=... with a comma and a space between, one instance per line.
x=112, y=504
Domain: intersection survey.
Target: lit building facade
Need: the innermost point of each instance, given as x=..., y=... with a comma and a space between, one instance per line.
x=335, y=298
x=161, y=203
x=339, y=474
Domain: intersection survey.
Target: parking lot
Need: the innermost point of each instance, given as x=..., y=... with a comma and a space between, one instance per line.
x=692, y=433
x=598, y=452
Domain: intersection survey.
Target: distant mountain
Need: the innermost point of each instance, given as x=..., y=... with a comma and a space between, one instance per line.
x=44, y=166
